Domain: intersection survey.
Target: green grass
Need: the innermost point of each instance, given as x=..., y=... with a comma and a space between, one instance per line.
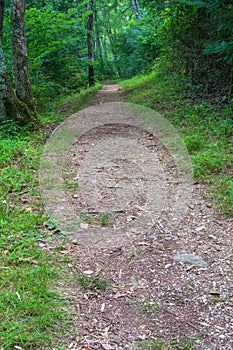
x=169, y=344
x=92, y=283
x=207, y=128
x=88, y=218
x=63, y=107
x=105, y=219
x=32, y=314
x=30, y=311
x=150, y=307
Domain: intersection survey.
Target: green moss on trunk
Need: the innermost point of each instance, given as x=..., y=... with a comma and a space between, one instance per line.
x=20, y=112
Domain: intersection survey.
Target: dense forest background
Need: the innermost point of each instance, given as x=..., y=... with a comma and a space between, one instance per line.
x=193, y=39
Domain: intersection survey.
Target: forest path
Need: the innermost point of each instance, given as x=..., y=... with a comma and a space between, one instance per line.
x=139, y=273
x=110, y=92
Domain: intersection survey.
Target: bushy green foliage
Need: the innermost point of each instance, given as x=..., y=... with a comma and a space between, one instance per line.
x=207, y=128
x=196, y=35
x=56, y=48
x=135, y=51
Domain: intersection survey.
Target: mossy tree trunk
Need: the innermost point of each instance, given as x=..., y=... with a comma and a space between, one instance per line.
x=20, y=59
x=11, y=108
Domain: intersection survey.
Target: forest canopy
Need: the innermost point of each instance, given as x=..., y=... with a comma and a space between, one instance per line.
x=193, y=38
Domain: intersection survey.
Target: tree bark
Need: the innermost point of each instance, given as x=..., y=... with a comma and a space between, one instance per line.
x=90, y=43
x=20, y=58
x=11, y=108
x=2, y=7
x=6, y=90
x=98, y=41
x=136, y=8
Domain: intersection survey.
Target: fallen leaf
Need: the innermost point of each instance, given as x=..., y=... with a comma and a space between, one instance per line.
x=111, y=180
x=18, y=296
x=195, y=247
x=215, y=292
x=28, y=210
x=151, y=136
x=142, y=337
x=102, y=307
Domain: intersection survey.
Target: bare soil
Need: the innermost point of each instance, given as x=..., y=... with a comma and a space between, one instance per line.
x=162, y=282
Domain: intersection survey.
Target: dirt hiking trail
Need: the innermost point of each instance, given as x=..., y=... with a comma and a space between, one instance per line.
x=144, y=281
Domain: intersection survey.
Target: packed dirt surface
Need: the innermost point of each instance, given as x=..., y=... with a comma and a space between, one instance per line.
x=110, y=92
x=137, y=280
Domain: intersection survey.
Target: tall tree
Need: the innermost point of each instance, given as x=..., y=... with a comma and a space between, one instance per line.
x=7, y=97
x=2, y=6
x=10, y=106
x=20, y=57
x=90, y=43
x=136, y=8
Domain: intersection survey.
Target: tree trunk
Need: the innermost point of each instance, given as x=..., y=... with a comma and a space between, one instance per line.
x=20, y=58
x=90, y=45
x=2, y=7
x=6, y=90
x=136, y=9
x=98, y=41
x=3, y=72
x=112, y=41
x=10, y=107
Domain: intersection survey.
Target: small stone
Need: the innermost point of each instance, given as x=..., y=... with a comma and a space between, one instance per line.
x=88, y=272
x=112, y=165
x=201, y=228
x=168, y=237
x=167, y=266
x=190, y=258
x=212, y=237
x=84, y=226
